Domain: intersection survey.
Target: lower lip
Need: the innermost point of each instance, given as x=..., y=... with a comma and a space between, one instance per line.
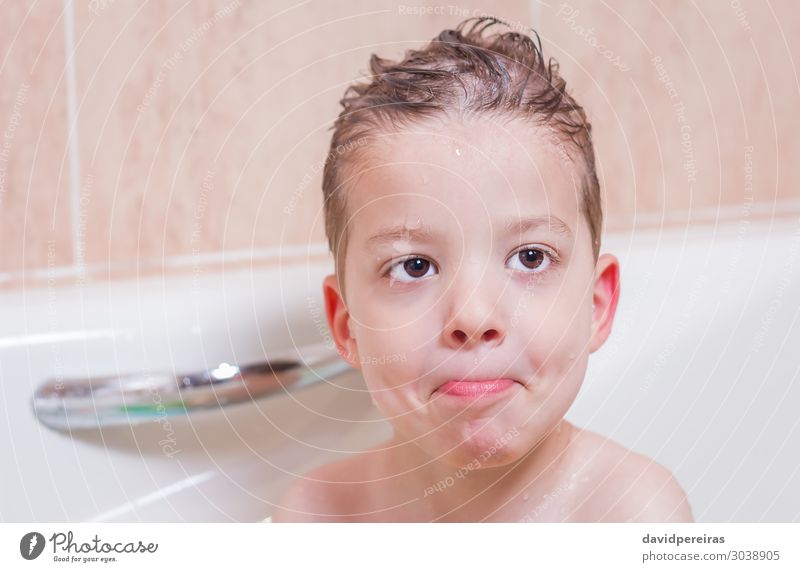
x=476, y=389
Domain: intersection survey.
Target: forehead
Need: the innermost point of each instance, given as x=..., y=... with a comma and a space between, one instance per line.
x=464, y=174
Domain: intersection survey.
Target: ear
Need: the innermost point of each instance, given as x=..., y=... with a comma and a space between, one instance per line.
x=604, y=299
x=339, y=321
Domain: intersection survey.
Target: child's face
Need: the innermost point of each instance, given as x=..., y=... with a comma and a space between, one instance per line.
x=480, y=298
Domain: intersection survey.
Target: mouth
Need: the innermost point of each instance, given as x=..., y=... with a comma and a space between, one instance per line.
x=475, y=388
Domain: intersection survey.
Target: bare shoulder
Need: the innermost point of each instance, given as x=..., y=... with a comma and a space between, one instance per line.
x=326, y=494
x=620, y=485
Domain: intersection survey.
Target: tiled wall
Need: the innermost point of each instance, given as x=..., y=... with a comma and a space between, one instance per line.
x=153, y=137
x=692, y=104
x=35, y=198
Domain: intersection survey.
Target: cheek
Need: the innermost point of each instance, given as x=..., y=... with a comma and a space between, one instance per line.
x=393, y=387
x=380, y=311
x=555, y=332
x=554, y=314
x=393, y=326
x=558, y=352
x=391, y=360
x=390, y=342
x=563, y=309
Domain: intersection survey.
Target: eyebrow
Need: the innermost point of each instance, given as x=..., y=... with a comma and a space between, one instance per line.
x=552, y=223
x=423, y=233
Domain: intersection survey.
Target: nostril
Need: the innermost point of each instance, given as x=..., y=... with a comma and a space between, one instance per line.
x=490, y=335
x=460, y=336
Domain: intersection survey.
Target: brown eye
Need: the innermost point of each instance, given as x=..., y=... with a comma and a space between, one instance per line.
x=416, y=267
x=531, y=258
x=411, y=270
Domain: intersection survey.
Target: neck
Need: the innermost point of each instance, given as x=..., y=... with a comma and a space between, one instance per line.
x=446, y=492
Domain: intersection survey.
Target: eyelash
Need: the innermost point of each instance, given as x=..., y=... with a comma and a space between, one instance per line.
x=553, y=260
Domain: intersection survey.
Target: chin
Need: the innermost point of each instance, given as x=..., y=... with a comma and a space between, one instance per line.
x=482, y=443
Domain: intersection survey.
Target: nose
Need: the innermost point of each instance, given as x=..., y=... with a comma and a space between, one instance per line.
x=465, y=339
x=476, y=319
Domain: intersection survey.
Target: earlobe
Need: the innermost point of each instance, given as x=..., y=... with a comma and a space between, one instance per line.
x=604, y=299
x=339, y=321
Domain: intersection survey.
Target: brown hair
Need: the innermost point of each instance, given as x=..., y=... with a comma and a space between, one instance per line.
x=462, y=70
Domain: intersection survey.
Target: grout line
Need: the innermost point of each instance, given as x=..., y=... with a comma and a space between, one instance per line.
x=72, y=141
x=707, y=215
x=299, y=254
x=294, y=254
x=535, y=14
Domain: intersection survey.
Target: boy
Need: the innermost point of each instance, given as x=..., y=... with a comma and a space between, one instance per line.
x=464, y=214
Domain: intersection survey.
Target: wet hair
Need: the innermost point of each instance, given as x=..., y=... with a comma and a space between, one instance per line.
x=462, y=71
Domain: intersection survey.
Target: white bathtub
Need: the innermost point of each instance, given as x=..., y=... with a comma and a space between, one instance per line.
x=701, y=373
x=225, y=464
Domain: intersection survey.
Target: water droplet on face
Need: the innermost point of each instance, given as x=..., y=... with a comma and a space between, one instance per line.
x=458, y=151
x=525, y=497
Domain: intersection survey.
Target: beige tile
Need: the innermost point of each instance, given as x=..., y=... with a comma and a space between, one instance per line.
x=662, y=153
x=215, y=144
x=201, y=126
x=34, y=170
